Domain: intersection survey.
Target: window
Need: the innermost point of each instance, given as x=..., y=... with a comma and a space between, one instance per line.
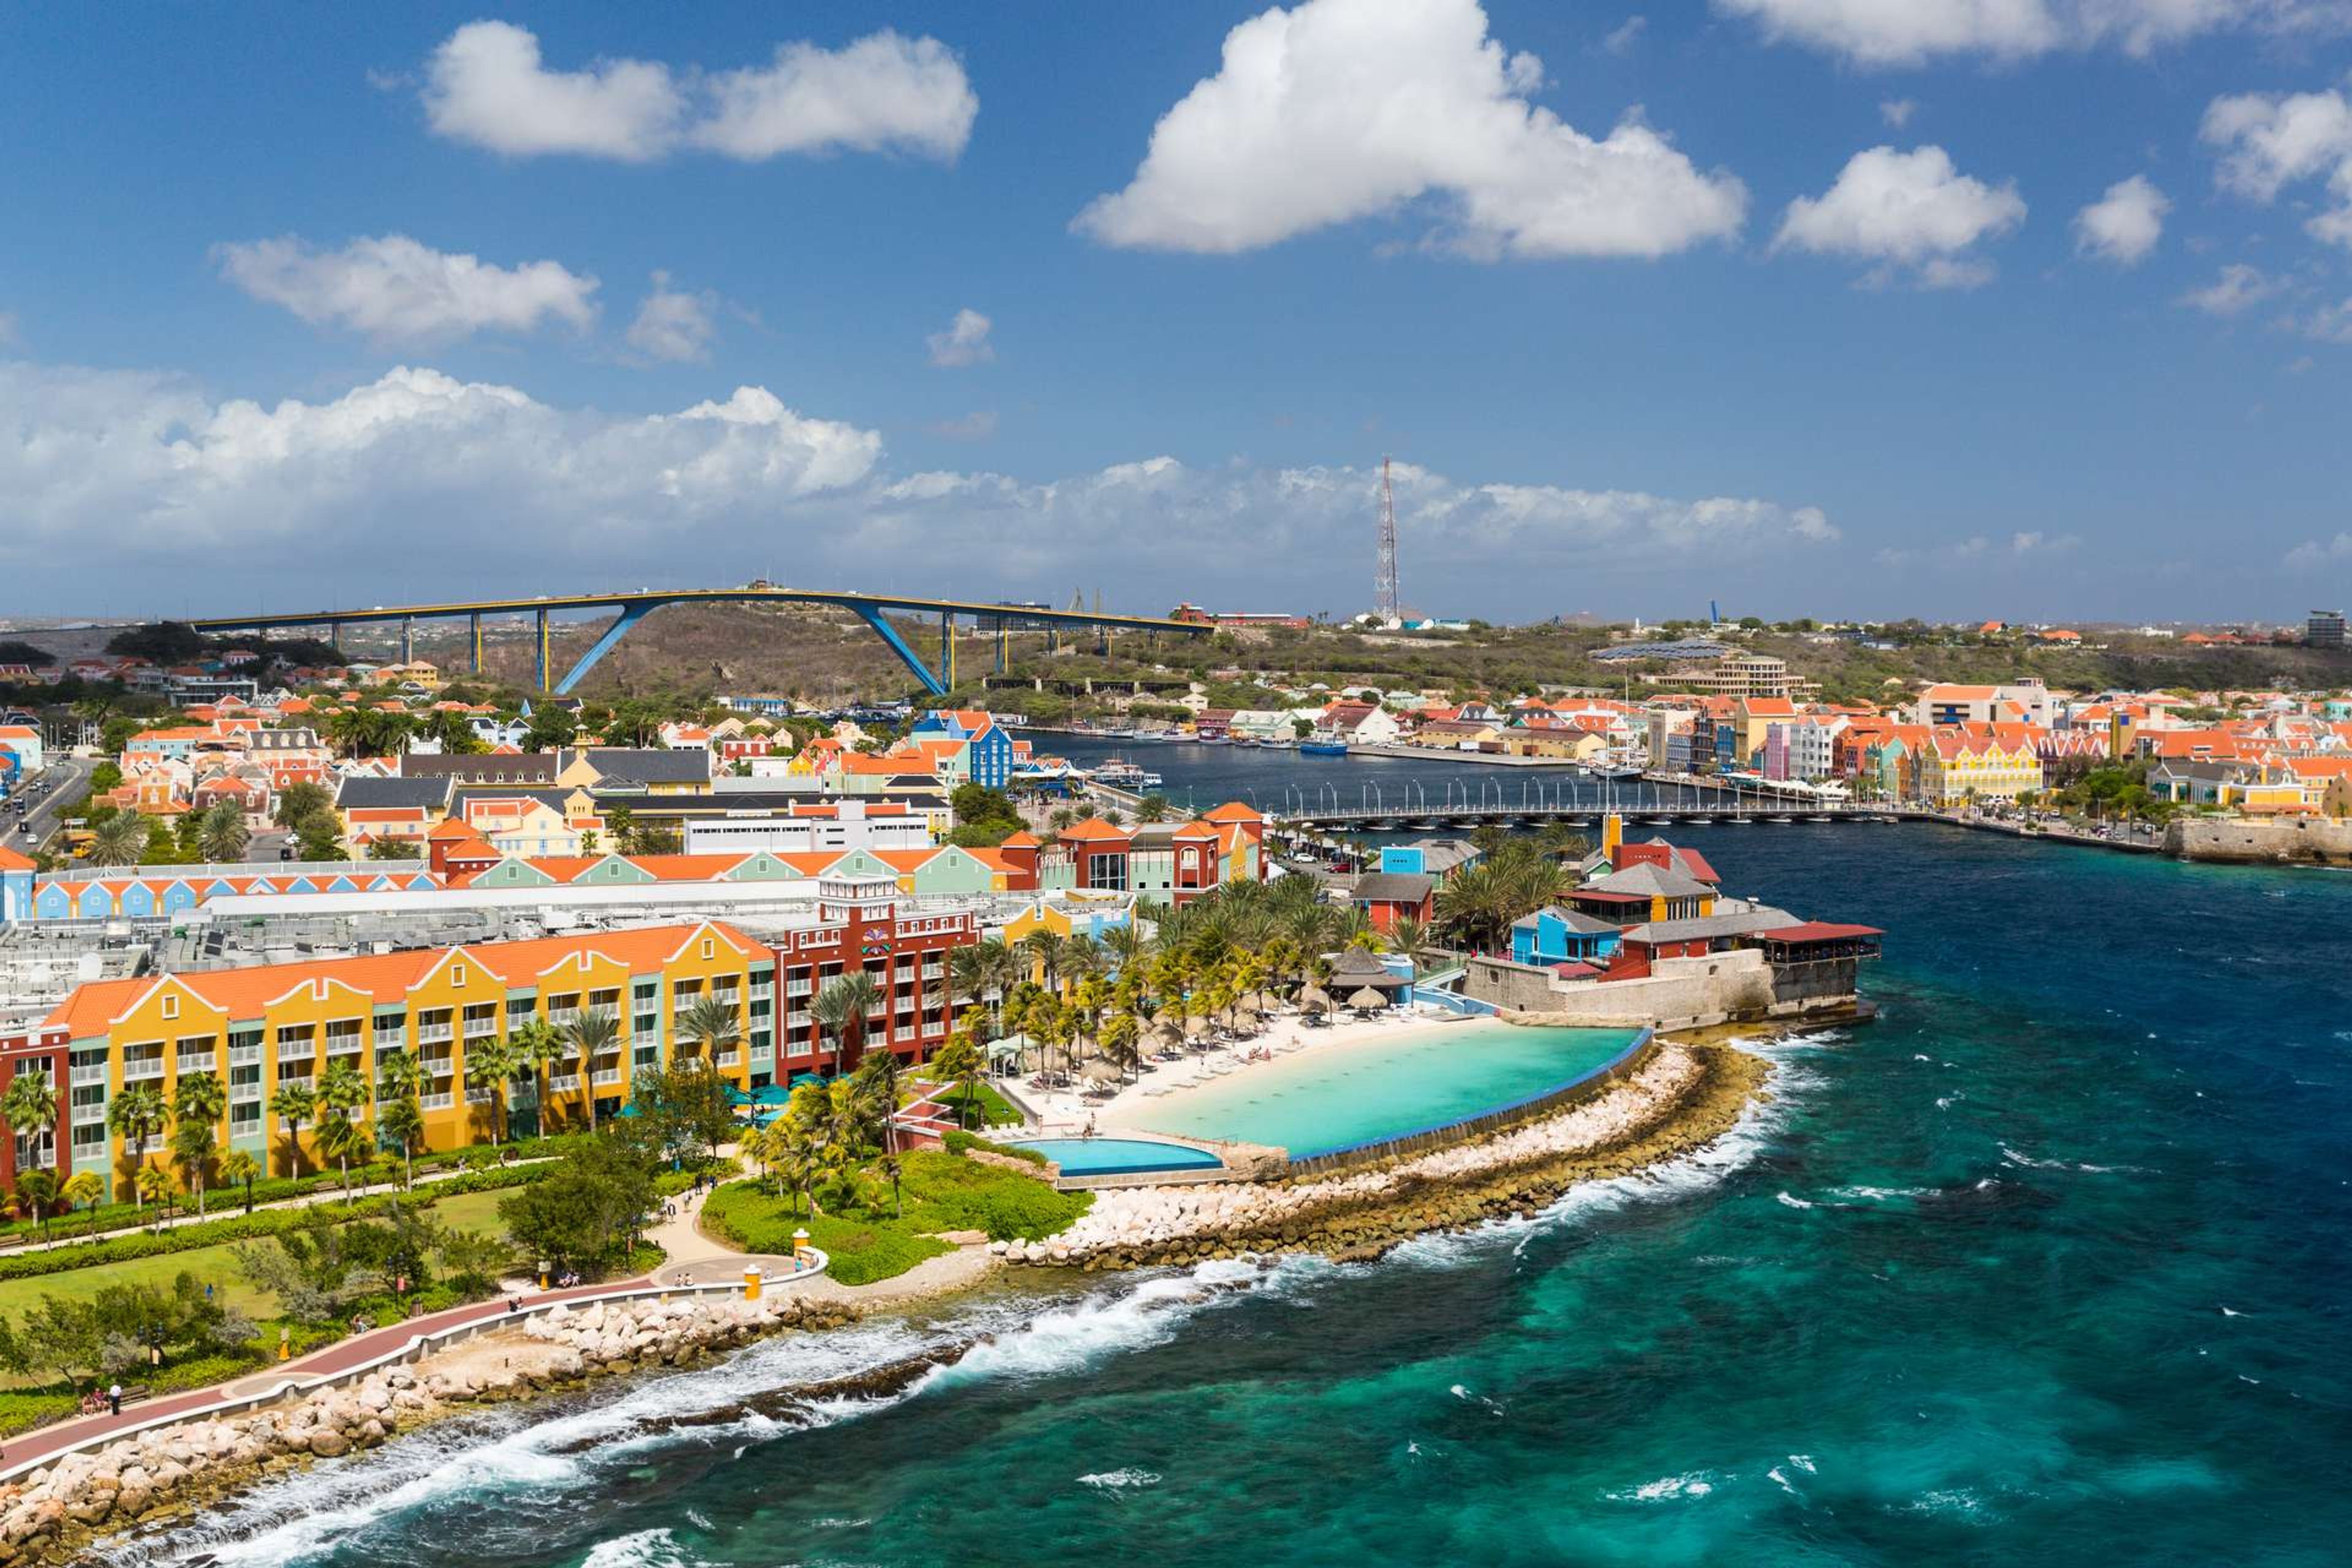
x=709, y=947
x=170, y=1006
x=457, y=976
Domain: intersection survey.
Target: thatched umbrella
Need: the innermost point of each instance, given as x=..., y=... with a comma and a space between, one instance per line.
x=1100, y=1072
x=1196, y=1028
x=1367, y=1000
x=1315, y=999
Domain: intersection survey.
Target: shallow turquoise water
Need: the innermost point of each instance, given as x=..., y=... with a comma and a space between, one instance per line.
x=1349, y=1094
x=1118, y=1156
x=2048, y=1268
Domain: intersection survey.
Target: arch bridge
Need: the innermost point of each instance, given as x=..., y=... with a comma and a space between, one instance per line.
x=629, y=609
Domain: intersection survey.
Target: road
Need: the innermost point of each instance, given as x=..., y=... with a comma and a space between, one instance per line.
x=66, y=778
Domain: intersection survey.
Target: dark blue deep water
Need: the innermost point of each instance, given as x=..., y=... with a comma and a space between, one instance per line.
x=2047, y=1266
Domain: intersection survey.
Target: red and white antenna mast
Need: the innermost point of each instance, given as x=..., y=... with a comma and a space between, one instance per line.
x=1384, y=581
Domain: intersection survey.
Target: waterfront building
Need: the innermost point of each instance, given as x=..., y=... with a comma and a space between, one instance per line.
x=263, y=1027
x=1558, y=935
x=813, y=826
x=984, y=752
x=1387, y=897
x=1960, y=767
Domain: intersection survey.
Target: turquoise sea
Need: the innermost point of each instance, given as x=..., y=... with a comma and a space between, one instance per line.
x=2049, y=1266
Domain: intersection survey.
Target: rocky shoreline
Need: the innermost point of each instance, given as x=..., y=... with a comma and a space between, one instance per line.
x=153, y=1477
x=1686, y=1096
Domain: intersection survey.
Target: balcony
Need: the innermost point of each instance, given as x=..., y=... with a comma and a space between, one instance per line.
x=343, y=1044
x=146, y=1067
x=934, y=972
x=606, y=1077
x=435, y=1033
x=479, y=1096
x=245, y=1055
x=240, y=1092
x=391, y=1039
x=296, y=1051
x=761, y=991
x=730, y=1059
x=799, y=987
x=435, y=1102
x=89, y=1072
x=563, y=1083
x=481, y=1028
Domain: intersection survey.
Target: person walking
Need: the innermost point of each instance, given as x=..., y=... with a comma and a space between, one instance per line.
x=114, y=1400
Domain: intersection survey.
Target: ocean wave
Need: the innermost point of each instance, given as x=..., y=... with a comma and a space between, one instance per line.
x=1953, y=1502
x=1881, y=1195
x=1692, y=1484
x=643, y=1549
x=2028, y=1163
x=1113, y=1480
x=1793, y=1201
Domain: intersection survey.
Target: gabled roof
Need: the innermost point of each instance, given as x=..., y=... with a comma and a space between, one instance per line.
x=1094, y=830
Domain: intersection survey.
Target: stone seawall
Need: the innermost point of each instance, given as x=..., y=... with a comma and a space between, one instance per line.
x=1684, y=1098
x=148, y=1479
x=2256, y=841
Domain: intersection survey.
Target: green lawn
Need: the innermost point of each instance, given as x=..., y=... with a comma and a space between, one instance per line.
x=940, y=1193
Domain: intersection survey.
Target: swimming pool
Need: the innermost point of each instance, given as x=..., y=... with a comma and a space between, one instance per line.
x=1119, y=1156
x=1325, y=1100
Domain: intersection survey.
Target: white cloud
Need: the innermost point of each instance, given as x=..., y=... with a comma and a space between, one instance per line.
x=1908, y=32
x=1904, y=210
x=1625, y=34
x=2238, y=288
x=1339, y=109
x=674, y=324
x=2268, y=141
x=395, y=289
x=487, y=85
x=480, y=483
x=964, y=343
x=2039, y=543
x=2330, y=323
x=885, y=92
x=2124, y=225
x=1897, y=111
x=2318, y=552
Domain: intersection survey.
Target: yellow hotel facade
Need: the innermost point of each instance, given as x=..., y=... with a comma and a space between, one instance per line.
x=261, y=1029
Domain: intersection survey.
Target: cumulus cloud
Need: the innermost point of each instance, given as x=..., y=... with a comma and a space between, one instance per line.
x=479, y=482
x=1897, y=111
x=2124, y=225
x=1908, y=32
x=675, y=324
x=964, y=343
x=2238, y=288
x=2271, y=141
x=1335, y=111
x=395, y=289
x=1904, y=210
x=487, y=85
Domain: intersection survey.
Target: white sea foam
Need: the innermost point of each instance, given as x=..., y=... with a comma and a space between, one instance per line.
x=1803, y=1462
x=1115, y=1480
x=1953, y=1502
x=1667, y=1488
x=1880, y=1195
x=1792, y=1201
x=2231, y=1312
x=640, y=1549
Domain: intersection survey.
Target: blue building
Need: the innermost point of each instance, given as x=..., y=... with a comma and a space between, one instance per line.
x=988, y=751
x=1555, y=935
x=16, y=887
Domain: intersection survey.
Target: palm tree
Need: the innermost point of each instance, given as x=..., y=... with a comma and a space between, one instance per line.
x=238, y=1168
x=342, y=1091
x=222, y=836
x=1151, y=809
x=969, y=969
x=538, y=1046
x=30, y=1105
x=136, y=1115
x=1409, y=939
x=399, y=1076
x=37, y=1190
x=710, y=1025
x=800, y=1158
x=490, y=1064
x=293, y=1104
x=84, y=1189
x=402, y=1121
x=198, y=1103
x=591, y=1035
x=120, y=840
x=152, y=1183
x=1120, y=1033
x=880, y=1087
x=339, y=1136
x=1040, y=953
x=840, y=1010
x=958, y=1063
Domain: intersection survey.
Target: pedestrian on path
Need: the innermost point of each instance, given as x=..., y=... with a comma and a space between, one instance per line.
x=114, y=1400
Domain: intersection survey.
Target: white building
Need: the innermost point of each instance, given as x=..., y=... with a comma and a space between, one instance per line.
x=830, y=828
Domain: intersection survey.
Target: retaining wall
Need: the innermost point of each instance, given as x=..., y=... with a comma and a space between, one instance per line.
x=1551, y=1102
x=2286, y=841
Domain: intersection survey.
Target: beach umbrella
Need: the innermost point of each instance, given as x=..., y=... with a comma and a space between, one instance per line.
x=1196, y=1028
x=1001, y=1050
x=1315, y=999
x=1367, y=1000
x=737, y=1097
x=770, y=1094
x=800, y=1078
x=1099, y=1072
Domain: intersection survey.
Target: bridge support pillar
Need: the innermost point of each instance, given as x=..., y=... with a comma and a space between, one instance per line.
x=407, y=640
x=474, y=643
x=335, y=636
x=946, y=648
x=933, y=681
x=539, y=640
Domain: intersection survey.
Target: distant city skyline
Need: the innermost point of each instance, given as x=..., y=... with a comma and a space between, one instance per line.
x=2039, y=312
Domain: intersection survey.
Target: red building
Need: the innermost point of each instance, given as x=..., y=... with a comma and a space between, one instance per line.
x=859, y=925
x=37, y=1049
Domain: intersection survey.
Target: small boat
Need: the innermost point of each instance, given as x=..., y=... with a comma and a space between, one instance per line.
x=1322, y=748
x=1120, y=774
x=1613, y=770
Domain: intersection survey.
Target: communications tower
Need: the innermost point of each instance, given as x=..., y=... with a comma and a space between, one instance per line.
x=1384, y=581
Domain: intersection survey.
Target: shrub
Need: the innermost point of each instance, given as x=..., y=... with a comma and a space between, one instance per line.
x=959, y=1142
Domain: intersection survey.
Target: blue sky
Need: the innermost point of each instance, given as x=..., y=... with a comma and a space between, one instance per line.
x=1547, y=255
